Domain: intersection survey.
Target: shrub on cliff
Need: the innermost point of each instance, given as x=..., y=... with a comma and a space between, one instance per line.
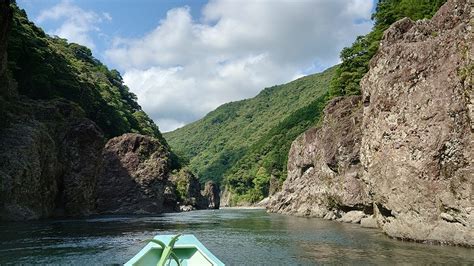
x=355, y=59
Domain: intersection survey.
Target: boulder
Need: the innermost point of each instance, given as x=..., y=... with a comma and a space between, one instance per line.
x=352, y=217
x=369, y=222
x=263, y=203
x=134, y=175
x=226, y=197
x=332, y=215
x=186, y=208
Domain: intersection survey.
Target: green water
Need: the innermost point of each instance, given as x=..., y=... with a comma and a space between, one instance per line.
x=237, y=237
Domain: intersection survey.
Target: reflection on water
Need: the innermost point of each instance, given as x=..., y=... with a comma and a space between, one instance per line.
x=237, y=237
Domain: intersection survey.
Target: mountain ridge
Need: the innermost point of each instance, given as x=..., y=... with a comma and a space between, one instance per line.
x=216, y=142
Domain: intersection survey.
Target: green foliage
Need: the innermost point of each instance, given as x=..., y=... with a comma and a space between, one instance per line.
x=248, y=141
x=181, y=183
x=48, y=67
x=355, y=59
x=249, y=178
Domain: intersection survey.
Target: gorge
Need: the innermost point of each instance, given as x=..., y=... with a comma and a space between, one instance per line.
x=384, y=139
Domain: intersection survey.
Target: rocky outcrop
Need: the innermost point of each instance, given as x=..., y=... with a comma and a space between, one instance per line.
x=211, y=193
x=324, y=170
x=417, y=146
x=48, y=160
x=189, y=189
x=189, y=194
x=134, y=175
x=408, y=150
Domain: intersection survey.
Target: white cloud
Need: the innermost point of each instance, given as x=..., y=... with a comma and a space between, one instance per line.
x=77, y=24
x=184, y=68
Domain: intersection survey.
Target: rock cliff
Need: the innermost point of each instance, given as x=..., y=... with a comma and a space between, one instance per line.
x=134, y=175
x=324, y=170
x=417, y=146
x=49, y=160
x=411, y=155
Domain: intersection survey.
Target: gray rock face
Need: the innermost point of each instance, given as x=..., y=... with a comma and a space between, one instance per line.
x=324, y=169
x=417, y=145
x=28, y=165
x=415, y=140
x=48, y=161
x=134, y=175
x=81, y=157
x=211, y=194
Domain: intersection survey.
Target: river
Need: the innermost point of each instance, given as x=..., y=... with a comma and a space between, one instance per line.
x=236, y=236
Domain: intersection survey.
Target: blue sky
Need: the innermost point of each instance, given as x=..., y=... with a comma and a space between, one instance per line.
x=185, y=58
x=130, y=19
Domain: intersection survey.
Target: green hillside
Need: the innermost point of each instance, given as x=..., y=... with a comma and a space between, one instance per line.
x=248, y=179
x=226, y=140
x=48, y=67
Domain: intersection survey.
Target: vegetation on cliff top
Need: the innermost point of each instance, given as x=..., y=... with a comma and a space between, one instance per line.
x=46, y=67
x=355, y=59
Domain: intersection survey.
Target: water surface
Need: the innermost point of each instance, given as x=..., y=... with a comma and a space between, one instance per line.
x=236, y=236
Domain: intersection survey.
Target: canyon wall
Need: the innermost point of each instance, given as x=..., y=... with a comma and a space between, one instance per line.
x=409, y=166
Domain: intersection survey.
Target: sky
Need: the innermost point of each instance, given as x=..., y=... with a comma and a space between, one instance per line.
x=184, y=58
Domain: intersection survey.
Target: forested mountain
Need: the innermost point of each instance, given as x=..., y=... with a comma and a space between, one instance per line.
x=239, y=138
